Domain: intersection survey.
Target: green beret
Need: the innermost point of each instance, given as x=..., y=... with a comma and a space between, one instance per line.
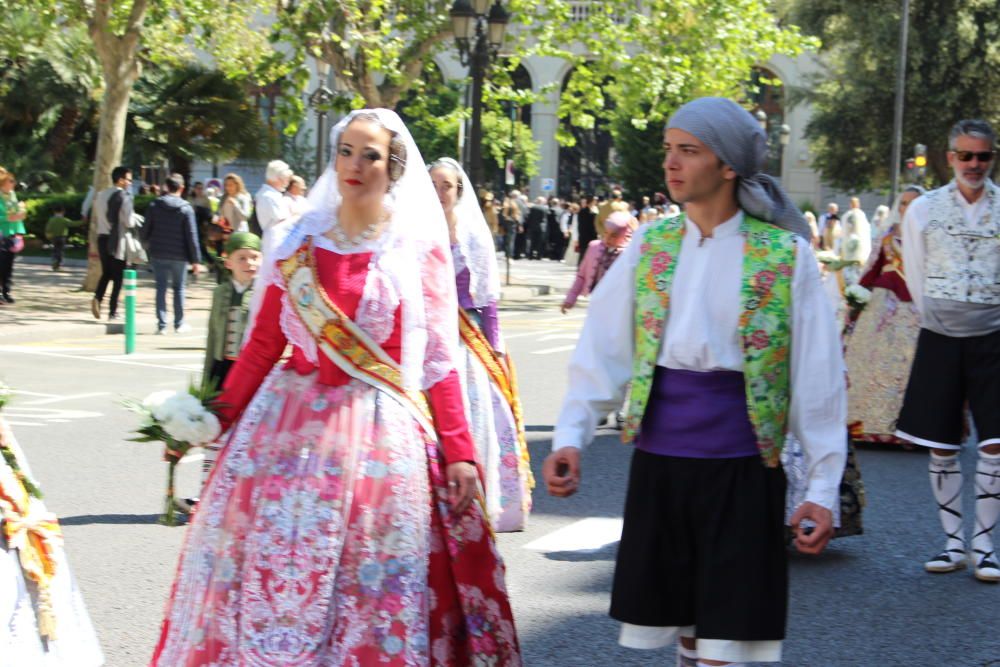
x=241, y=240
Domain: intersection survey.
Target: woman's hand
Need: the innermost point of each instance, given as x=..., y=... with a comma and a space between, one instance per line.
x=462, y=487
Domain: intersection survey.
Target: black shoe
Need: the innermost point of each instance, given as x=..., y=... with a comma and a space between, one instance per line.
x=8, y=298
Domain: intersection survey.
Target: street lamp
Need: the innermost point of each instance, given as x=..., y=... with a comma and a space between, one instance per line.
x=318, y=100
x=784, y=136
x=479, y=32
x=761, y=117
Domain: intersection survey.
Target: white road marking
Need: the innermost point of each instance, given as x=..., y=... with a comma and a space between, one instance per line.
x=153, y=356
x=557, y=336
x=45, y=415
x=56, y=399
x=14, y=348
x=588, y=535
x=552, y=350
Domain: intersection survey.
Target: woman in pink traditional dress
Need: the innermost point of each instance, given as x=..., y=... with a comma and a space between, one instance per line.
x=880, y=349
x=493, y=405
x=339, y=525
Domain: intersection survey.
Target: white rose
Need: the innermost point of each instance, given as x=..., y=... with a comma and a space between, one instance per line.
x=154, y=402
x=181, y=404
x=181, y=428
x=209, y=429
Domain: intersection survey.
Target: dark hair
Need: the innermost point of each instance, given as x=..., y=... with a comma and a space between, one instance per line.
x=397, y=148
x=174, y=182
x=120, y=172
x=449, y=163
x=59, y=208
x=974, y=128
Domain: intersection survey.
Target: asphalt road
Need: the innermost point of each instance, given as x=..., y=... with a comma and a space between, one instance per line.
x=865, y=602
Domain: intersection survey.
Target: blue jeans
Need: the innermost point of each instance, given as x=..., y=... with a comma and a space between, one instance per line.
x=173, y=271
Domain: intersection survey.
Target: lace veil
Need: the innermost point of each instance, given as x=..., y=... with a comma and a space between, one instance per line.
x=412, y=251
x=476, y=248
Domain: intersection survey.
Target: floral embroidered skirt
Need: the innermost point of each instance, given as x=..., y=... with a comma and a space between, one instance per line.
x=506, y=472
x=323, y=538
x=879, y=357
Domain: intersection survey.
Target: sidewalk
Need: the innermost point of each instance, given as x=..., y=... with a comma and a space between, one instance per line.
x=50, y=305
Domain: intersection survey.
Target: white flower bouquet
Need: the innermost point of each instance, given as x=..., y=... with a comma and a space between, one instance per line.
x=181, y=420
x=857, y=298
x=827, y=256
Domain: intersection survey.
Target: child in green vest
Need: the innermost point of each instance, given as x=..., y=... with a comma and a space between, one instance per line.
x=228, y=319
x=56, y=231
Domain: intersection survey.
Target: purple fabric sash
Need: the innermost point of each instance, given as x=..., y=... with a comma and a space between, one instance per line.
x=700, y=415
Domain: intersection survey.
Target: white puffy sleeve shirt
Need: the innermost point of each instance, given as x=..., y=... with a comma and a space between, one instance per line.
x=702, y=334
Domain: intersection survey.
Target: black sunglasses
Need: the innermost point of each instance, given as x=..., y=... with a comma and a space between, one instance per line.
x=982, y=156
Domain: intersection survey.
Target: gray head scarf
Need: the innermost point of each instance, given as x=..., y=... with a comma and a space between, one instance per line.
x=734, y=136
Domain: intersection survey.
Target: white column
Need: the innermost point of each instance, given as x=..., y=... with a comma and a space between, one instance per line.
x=545, y=123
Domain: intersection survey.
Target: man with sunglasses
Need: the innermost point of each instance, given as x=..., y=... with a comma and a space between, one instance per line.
x=951, y=250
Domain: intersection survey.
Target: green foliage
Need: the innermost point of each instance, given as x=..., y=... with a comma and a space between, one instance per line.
x=640, y=157
x=643, y=65
x=40, y=208
x=433, y=111
x=187, y=113
x=48, y=111
x=953, y=72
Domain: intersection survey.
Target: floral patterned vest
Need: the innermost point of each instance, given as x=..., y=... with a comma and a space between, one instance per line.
x=963, y=259
x=765, y=332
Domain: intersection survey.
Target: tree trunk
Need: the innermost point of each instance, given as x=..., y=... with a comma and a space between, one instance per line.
x=110, y=141
x=119, y=60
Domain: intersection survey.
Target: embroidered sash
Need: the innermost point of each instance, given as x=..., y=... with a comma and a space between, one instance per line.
x=502, y=374
x=471, y=621
x=343, y=341
x=35, y=534
x=765, y=334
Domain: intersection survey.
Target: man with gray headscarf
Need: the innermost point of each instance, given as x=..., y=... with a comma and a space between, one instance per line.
x=719, y=320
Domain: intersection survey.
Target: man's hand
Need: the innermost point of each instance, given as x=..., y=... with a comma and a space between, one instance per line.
x=821, y=532
x=196, y=269
x=462, y=486
x=561, y=471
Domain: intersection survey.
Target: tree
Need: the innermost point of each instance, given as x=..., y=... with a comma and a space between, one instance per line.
x=638, y=67
x=433, y=111
x=48, y=111
x=647, y=62
x=188, y=113
x=127, y=33
x=952, y=68
x=640, y=158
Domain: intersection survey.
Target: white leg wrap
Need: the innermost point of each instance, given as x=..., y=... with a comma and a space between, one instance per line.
x=946, y=482
x=987, y=502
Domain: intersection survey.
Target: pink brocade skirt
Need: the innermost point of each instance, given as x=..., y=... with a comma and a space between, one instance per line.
x=321, y=540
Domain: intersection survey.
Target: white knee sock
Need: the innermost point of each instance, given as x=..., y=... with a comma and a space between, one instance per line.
x=987, y=502
x=946, y=482
x=728, y=664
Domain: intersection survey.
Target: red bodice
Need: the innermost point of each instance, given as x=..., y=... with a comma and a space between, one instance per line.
x=343, y=278
x=887, y=271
